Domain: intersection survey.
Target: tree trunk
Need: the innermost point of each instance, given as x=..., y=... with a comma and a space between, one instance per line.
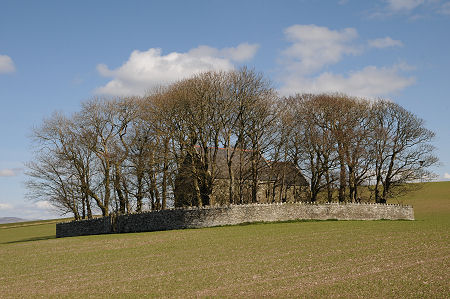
x=139, y=192
x=328, y=180
x=197, y=195
x=387, y=180
x=351, y=183
x=105, y=209
x=83, y=203
x=342, y=182
x=231, y=187
x=378, y=181
x=164, y=189
x=254, y=181
x=165, y=174
x=88, y=207
x=117, y=187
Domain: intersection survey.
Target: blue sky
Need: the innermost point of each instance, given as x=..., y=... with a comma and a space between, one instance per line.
x=55, y=54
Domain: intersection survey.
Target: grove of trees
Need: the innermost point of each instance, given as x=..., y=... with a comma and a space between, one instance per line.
x=122, y=155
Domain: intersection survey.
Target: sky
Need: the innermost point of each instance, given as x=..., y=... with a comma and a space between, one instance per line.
x=56, y=54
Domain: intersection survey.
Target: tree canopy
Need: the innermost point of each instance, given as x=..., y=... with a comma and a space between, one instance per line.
x=123, y=155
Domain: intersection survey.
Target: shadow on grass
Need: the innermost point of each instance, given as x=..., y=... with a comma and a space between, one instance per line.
x=276, y=222
x=305, y=220
x=31, y=239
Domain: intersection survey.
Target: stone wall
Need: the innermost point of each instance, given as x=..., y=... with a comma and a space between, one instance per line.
x=229, y=215
x=86, y=227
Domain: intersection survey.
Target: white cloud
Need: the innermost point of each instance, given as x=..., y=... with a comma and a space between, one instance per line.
x=371, y=82
x=414, y=9
x=314, y=47
x=6, y=64
x=8, y=172
x=445, y=8
x=151, y=68
x=403, y=5
x=43, y=205
x=242, y=52
x=5, y=206
x=446, y=175
x=384, y=43
x=30, y=210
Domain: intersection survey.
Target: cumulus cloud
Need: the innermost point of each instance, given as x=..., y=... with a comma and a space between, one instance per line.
x=446, y=175
x=5, y=206
x=241, y=53
x=8, y=172
x=29, y=210
x=43, y=205
x=386, y=42
x=414, y=9
x=445, y=8
x=314, y=47
x=371, y=82
x=147, y=69
x=403, y=5
x=6, y=64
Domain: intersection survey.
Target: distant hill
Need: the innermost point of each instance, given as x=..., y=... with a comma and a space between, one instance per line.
x=11, y=220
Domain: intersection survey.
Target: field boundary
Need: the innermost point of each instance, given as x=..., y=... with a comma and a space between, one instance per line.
x=209, y=216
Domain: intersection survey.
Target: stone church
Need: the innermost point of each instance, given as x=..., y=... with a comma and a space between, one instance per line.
x=277, y=181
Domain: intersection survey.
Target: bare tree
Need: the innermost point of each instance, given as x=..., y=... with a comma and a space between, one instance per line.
x=103, y=125
x=313, y=141
x=164, y=147
x=257, y=121
x=61, y=171
x=403, y=150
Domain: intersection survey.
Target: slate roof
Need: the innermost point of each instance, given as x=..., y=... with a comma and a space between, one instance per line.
x=285, y=172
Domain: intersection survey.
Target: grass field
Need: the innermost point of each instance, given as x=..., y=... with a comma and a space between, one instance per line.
x=375, y=259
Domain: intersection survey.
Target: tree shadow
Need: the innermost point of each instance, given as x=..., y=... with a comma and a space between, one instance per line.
x=31, y=239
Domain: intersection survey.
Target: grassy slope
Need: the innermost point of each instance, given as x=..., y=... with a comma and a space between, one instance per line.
x=432, y=199
x=306, y=259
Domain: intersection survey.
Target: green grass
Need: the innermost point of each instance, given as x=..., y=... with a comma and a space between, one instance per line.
x=430, y=200
x=31, y=223
x=348, y=259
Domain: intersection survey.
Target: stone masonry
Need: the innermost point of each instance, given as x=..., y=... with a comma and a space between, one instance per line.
x=209, y=216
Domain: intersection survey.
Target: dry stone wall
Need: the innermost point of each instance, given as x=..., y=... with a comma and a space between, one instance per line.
x=229, y=215
x=95, y=226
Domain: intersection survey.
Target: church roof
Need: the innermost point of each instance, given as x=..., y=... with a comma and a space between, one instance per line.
x=285, y=172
